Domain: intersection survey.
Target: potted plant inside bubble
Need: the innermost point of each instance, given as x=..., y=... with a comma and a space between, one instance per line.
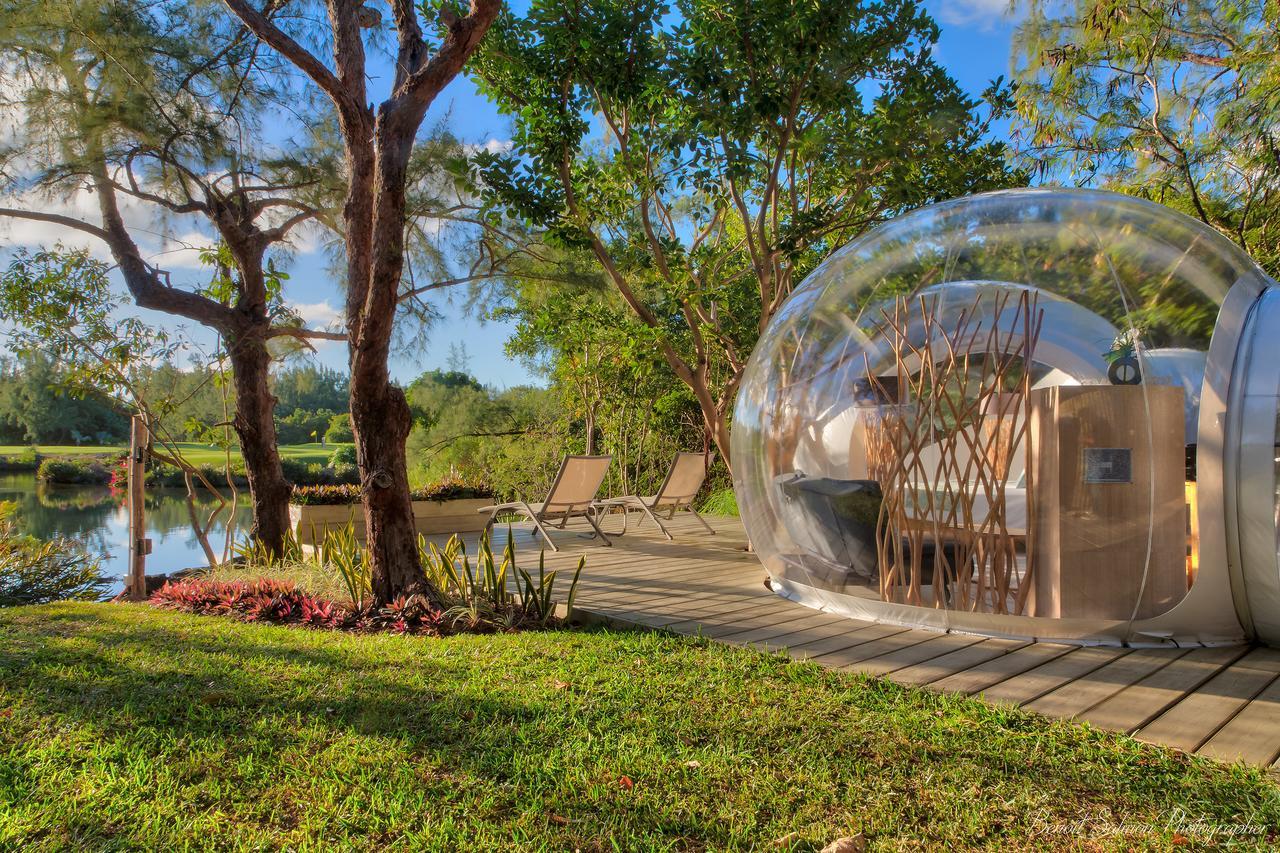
x=1124, y=367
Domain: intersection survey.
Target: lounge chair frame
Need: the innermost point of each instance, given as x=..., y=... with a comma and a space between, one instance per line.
x=677, y=491
x=556, y=507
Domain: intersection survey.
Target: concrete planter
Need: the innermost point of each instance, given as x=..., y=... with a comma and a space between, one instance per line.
x=431, y=518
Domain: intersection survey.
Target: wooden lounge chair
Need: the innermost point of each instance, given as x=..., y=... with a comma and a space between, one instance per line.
x=684, y=480
x=573, y=494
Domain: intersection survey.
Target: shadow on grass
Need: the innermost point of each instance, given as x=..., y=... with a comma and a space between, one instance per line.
x=483, y=709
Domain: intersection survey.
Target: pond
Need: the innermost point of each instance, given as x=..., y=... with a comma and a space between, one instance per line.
x=97, y=518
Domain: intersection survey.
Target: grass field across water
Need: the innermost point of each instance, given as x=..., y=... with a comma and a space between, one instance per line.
x=196, y=454
x=126, y=727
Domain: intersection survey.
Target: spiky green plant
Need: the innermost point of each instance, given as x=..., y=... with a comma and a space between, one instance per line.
x=484, y=591
x=343, y=553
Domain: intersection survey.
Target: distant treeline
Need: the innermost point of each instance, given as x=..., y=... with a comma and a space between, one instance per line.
x=35, y=409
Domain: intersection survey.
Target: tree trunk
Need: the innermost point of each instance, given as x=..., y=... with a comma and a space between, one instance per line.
x=255, y=426
x=380, y=420
x=380, y=415
x=712, y=416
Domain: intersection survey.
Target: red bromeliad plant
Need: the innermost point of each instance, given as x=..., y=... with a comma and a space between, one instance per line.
x=281, y=602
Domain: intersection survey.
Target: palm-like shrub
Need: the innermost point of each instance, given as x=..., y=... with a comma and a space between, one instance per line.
x=35, y=572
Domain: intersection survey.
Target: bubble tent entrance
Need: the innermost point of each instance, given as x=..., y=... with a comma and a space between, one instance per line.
x=1043, y=414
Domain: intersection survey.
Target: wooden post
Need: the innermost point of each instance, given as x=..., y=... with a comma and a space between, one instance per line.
x=139, y=545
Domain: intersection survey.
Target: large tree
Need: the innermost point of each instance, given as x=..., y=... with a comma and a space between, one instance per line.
x=378, y=141
x=710, y=154
x=150, y=104
x=1174, y=100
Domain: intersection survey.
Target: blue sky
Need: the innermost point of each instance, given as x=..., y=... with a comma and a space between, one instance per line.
x=974, y=47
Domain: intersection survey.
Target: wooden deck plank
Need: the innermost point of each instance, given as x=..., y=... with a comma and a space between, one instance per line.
x=1034, y=683
x=792, y=633
x=719, y=623
x=1104, y=682
x=1250, y=736
x=1140, y=703
x=1222, y=701
x=1196, y=718
x=913, y=654
x=957, y=661
x=828, y=645
x=842, y=658
x=985, y=675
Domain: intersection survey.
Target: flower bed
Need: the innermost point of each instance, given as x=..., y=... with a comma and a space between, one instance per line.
x=282, y=603
x=449, y=506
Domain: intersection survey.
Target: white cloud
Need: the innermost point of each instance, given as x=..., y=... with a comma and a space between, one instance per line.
x=318, y=315
x=978, y=14
x=322, y=316
x=497, y=146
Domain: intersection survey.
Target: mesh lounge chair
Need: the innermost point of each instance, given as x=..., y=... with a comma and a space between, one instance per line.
x=677, y=491
x=573, y=493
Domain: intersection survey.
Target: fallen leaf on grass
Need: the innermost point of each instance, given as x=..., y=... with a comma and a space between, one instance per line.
x=626, y=783
x=848, y=844
x=695, y=763
x=559, y=685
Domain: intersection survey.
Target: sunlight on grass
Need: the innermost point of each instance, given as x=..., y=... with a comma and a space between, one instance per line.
x=123, y=726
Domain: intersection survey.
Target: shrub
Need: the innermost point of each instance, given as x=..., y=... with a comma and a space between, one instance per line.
x=34, y=572
x=475, y=595
x=302, y=426
x=280, y=602
x=74, y=472
x=721, y=502
x=346, y=474
x=169, y=477
x=27, y=460
x=450, y=488
x=343, y=454
x=340, y=430
x=479, y=599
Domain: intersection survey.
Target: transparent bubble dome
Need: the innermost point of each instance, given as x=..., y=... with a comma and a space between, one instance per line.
x=986, y=415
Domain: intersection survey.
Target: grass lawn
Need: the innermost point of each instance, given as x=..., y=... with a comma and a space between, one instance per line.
x=196, y=454
x=126, y=727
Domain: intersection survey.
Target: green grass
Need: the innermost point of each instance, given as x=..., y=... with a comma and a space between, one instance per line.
x=721, y=502
x=196, y=454
x=126, y=727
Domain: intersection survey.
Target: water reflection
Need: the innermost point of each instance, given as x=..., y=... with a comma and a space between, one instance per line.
x=96, y=517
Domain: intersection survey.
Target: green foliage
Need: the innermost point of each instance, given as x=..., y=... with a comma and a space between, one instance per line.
x=343, y=454
x=342, y=553
x=721, y=502
x=67, y=311
x=74, y=471
x=311, y=387
x=447, y=488
x=339, y=432
x=27, y=460
x=303, y=426
x=708, y=156
x=34, y=572
x=1170, y=100
x=481, y=595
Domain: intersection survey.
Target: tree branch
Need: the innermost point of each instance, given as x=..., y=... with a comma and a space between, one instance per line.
x=262, y=26
x=56, y=219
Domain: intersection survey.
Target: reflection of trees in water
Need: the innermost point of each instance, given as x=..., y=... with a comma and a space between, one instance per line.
x=90, y=514
x=46, y=511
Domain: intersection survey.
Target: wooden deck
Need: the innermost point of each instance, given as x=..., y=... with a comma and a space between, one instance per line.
x=1218, y=702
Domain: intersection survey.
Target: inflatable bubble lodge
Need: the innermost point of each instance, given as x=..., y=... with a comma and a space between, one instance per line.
x=1038, y=414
